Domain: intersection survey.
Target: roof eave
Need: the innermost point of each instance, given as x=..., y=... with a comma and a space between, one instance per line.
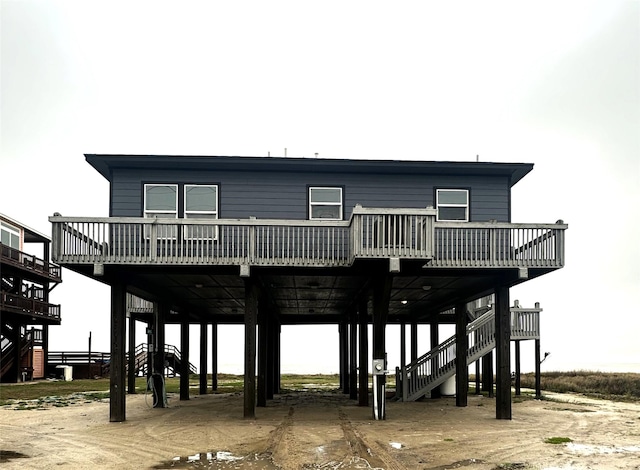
x=105, y=163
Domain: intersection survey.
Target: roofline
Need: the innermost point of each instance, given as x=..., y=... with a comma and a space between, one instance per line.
x=34, y=235
x=104, y=163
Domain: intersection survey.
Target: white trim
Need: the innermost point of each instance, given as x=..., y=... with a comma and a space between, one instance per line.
x=439, y=205
x=316, y=204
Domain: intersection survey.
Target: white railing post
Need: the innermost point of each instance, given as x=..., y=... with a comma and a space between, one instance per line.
x=57, y=241
x=153, y=241
x=252, y=243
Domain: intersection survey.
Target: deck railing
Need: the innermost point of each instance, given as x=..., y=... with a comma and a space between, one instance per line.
x=499, y=244
x=29, y=306
x=397, y=233
x=525, y=322
x=201, y=241
x=136, y=304
x=23, y=260
x=369, y=233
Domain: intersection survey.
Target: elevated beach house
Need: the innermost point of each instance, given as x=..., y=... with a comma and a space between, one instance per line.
x=265, y=242
x=27, y=277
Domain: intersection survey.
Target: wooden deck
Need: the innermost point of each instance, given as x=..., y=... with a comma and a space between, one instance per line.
x=370, y=233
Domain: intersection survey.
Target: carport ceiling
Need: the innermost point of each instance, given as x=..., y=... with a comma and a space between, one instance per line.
x=306, y=298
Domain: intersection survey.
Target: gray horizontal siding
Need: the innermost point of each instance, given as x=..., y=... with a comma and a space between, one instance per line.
x=284, y=195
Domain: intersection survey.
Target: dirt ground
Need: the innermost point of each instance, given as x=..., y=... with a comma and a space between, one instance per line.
x=324, y=430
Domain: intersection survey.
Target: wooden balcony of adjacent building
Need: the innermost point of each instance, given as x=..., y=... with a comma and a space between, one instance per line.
x=370, y=233
x=29, y=310
x=28, y=266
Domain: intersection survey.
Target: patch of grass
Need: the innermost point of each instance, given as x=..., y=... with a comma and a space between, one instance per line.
x=47, y=388
x=557, y=440
x=96, y=395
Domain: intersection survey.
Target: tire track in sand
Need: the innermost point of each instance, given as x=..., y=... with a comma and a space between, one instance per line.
x=306, y=440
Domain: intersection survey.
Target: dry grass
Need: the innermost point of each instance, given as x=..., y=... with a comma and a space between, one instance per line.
x=613, y=385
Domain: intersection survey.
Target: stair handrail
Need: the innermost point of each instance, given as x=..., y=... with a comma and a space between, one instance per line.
x=431, y=367
x=435, y=363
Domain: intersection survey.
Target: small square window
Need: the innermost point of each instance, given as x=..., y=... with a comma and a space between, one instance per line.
x=325, y=203
x=453, y=205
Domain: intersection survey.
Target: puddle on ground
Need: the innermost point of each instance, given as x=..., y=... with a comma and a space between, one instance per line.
x=6, y=455
x=221, y=460
x=353, y=463
x=336, y=447
x=586, y=449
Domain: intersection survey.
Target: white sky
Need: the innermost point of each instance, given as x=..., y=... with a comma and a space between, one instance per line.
x=555, y=83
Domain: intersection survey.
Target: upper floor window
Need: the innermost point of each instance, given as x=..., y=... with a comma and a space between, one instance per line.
x=200, y=201
x=325, y=203
x=453, y=205
x=161, y=201
x=10, y=235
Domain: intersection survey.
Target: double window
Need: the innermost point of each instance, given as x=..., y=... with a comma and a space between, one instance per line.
x=452, y=205
x=197, y=201
x=325, y=203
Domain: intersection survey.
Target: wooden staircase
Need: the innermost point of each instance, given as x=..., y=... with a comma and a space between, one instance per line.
x=172, y=357
x=8, y=341
x=427, y=372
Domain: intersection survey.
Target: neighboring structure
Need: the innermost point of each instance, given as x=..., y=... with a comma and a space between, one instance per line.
x=24, y=302
x=271, y=241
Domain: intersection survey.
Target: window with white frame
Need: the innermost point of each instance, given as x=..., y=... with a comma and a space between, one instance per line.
x=453, y=205
x=10, y=235
x=161, y=202
x=325, y=203
x=201, y=202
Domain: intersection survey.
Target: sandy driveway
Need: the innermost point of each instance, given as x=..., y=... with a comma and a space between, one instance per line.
x=324, y=430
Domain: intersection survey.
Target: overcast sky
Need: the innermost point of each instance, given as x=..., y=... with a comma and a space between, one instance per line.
x=556, y=84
